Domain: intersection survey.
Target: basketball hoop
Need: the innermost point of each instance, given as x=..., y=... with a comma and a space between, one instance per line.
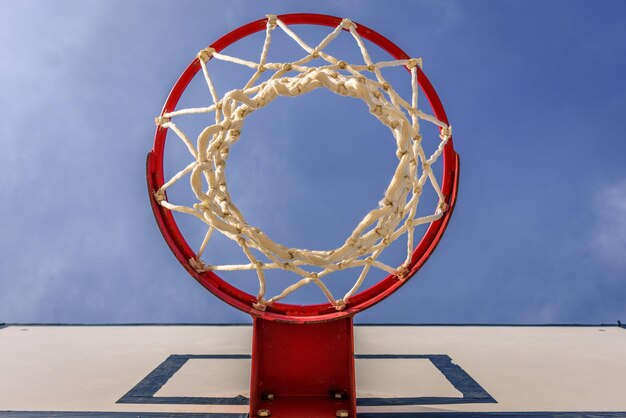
x=394, y=217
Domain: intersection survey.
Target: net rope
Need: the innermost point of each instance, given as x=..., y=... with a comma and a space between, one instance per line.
x=395, y=215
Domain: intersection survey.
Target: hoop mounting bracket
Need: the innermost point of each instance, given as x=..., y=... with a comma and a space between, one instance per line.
x=303, y=370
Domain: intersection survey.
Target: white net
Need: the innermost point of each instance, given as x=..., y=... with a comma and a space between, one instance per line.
x=395, y=215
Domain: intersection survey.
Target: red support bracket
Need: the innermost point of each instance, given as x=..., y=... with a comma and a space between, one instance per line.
x=303, y=370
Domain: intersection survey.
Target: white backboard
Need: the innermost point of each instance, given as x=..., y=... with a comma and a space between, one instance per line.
x=402, y=371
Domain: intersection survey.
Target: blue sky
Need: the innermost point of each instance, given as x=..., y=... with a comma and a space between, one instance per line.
x=534, y=91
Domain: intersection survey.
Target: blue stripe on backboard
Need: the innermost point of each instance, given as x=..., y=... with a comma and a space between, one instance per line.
x=144, y=391
x=470, y=389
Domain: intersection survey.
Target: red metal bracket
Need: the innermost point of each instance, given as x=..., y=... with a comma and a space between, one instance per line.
x=303, y=370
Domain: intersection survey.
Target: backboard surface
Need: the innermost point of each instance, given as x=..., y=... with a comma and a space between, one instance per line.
x=402, y=371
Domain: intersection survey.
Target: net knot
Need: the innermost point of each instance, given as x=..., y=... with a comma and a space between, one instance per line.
x=402, y=272
x=198, y=265
x=260, y=305
x=271, y=21
x=347, y=24
x=342, y=64
x=159, y=195
x=161, y=120
x=340, y=305
x=414, y=62
x=206, y=54
x=446, y=132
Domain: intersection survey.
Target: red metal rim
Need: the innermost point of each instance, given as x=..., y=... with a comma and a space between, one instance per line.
x=281, y=311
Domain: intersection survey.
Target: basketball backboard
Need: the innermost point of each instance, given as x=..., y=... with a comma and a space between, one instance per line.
x=402, y=371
